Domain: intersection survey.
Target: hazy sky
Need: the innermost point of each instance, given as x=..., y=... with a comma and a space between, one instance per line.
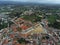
x=38, y=1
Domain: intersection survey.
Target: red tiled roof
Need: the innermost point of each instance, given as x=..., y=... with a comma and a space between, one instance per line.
x=18, y=44
x=14, y=28
x=21, y=19
x=24, y=27
x=17, y=22
x=5, y=41
x=12, y=35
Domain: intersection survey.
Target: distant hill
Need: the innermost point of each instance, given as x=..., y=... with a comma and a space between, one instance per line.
x=7, y=2
x=27, y=3
x=15, y=3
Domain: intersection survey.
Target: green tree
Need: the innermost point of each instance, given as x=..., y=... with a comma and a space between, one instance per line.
x=52, y=19
x=21, y=40
x=19, y=29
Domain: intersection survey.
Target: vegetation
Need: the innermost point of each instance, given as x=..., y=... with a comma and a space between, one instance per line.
x=15, y=14
x=56, y=25
x=10, y=23
x=32, y=18
x=52, y=19
x=19, y=29
x=53, y=22
x=38, y=11
x=21, y=41
x=3, y=25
